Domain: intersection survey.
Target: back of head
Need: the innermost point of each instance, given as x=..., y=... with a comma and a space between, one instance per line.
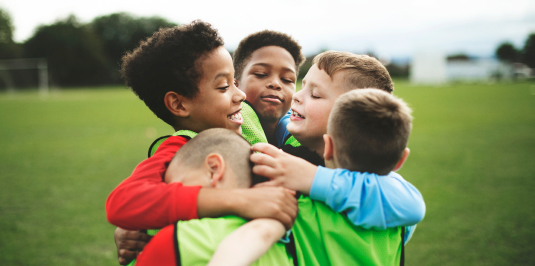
x=168, y=61
x=234, y=149
x=370, y=130
x=264, y=38
x=360, y=71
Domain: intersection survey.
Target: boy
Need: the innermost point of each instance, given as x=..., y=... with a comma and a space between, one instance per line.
x=316, y=223
x=266, y=65
x=215, y=158
x=186, y=77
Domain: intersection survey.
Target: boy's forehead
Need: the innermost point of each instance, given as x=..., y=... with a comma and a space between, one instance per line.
x=272, y=56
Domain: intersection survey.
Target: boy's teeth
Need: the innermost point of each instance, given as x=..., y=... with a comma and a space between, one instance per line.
x=235, y=116
x=297, y=114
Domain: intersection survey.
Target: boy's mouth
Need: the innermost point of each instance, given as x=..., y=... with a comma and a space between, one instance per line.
x=295, y=114
x=272, y=98
x=236, y=117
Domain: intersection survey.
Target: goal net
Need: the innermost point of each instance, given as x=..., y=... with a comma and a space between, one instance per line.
x=12, y=70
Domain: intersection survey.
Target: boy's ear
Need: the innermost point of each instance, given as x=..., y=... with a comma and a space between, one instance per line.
x=216, y=166
x=176, y=104
x=403, y=159
x=328, y=152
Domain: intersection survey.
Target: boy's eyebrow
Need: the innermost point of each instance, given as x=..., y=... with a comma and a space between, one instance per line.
x=222, y=74
x=268, y=65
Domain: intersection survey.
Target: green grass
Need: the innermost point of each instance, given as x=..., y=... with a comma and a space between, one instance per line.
x=472, y=154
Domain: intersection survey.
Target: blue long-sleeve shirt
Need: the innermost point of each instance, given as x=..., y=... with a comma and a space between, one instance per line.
x=370, y=200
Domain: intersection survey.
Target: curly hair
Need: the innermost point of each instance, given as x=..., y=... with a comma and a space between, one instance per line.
x=264, y=38
x=169, y=61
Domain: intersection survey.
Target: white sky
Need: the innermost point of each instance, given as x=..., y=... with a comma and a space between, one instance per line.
x=386, y=27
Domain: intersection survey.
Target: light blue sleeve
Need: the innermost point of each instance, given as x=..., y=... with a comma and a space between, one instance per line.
x=369, y=200
x=281, y=132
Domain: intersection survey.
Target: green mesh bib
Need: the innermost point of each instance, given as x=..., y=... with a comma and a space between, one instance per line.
x=251, y=128
x=198, y=239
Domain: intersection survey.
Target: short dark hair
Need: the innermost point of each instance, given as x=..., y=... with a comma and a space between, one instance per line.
x=234, y=149
x=370, y=130
x=361, y=71
x=264, y=38
x=169, y=61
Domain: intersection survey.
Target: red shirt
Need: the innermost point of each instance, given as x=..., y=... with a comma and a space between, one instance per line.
x=145, y=201
x=160, y=250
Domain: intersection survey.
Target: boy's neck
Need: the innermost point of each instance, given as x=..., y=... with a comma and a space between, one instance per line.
x=270, y=129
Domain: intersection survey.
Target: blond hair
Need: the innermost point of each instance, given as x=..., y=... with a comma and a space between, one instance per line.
x=370, y=130
x=361, y=71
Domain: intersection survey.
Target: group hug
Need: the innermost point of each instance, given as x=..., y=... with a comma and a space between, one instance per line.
x=257, y=173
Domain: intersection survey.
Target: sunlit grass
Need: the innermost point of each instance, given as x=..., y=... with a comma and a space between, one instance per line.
x=472, y=154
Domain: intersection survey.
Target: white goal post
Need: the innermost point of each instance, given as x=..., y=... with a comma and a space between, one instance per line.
x=40, y=64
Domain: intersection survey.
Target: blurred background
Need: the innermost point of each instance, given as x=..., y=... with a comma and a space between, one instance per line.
x=70, y=131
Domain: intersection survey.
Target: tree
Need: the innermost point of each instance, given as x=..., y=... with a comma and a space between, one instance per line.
x=507, y=52
x=8, y=48
x=121, y=32
x=74, y=53
x=528, y=52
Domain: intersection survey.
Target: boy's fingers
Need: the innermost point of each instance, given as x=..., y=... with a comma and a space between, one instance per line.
x=291, y=191
x=259, y=158
x=271, y=183
x=266, y=148
x=265, y=171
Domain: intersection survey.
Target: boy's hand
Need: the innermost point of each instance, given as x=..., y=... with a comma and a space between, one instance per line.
x=269, y=202
x=282, y=169
x=129, y=244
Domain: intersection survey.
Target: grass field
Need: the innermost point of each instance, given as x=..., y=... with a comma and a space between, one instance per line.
x=472, y=157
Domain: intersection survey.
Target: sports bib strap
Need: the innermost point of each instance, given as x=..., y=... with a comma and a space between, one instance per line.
x=402, y=257
x=154, y=146
x=185, y=133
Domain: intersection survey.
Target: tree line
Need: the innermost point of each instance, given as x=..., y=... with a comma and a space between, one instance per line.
x=78, y=54
x=507, y=52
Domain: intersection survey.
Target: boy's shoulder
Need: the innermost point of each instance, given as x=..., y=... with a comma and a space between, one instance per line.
x=178, y=138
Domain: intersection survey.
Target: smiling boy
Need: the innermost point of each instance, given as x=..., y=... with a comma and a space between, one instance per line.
x=186, y=77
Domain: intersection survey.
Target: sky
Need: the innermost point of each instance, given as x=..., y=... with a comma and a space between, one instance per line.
x=388, y=28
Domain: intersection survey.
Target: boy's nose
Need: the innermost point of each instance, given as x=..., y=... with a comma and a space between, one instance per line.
x=239, y=95
x=296, y=97
x=274, y=84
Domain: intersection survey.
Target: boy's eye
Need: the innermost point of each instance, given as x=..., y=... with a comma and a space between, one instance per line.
x=223, y=88
x=314, y=96
x=260, y=75
x=287, y=80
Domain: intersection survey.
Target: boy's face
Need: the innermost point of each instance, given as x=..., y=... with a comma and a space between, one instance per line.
x=268, y=80
x=312, y=105
x=218, y=101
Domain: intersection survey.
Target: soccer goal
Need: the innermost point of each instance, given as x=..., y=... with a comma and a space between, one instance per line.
x=27, y=63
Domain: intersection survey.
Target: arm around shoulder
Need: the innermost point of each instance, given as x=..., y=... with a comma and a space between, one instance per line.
x=370, y=200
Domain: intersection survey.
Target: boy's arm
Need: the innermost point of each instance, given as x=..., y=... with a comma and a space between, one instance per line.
x=371, y=203
x=369, y=200
x=248, y=243
x=144, y=201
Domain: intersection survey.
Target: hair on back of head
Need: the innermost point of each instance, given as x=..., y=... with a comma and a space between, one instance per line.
x=360, y=71
x=370, y=130
x=264, y=38
x=169, y=61
x=234, y=149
